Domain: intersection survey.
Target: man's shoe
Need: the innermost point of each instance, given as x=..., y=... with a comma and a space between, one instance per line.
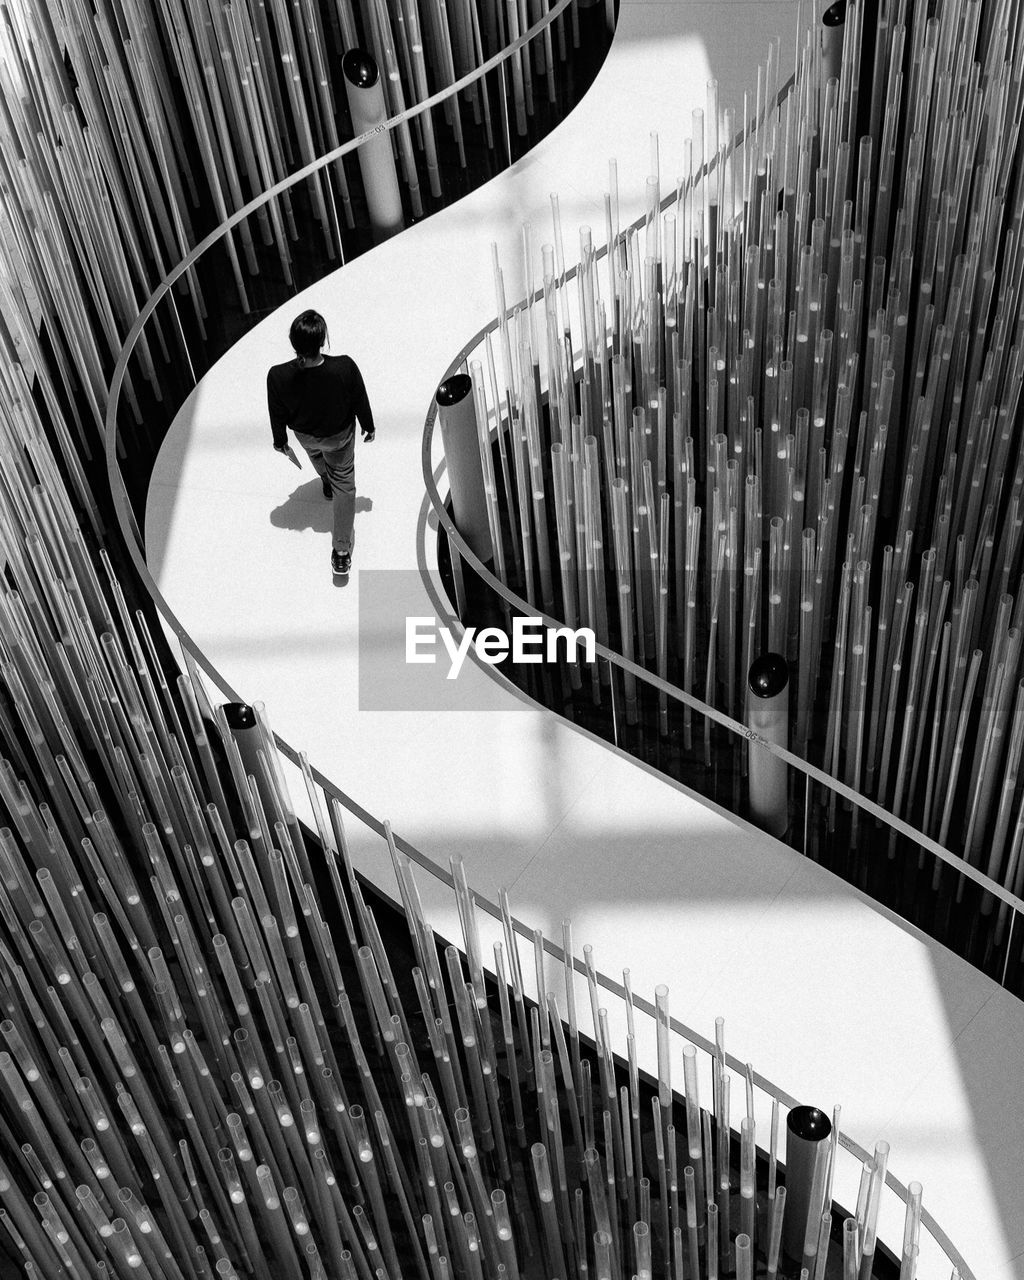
x=325, y=484
x=341, y=563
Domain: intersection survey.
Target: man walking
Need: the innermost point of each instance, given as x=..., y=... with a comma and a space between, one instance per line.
x=320, y=397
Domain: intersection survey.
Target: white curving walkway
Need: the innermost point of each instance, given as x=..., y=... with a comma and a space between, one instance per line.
x=824, y=993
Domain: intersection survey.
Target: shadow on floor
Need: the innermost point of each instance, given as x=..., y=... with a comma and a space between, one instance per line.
x=305, y=508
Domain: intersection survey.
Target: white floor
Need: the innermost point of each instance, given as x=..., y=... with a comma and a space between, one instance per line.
x=822, y=992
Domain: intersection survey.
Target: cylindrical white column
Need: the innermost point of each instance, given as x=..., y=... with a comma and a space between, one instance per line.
x=807, y=1133
x=457, y=417
x=365, y=95
x=244, y=729
x=768, y=717
x=833, y=24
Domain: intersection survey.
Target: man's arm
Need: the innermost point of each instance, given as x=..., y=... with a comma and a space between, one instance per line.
x=278, y=415
x=361, y=404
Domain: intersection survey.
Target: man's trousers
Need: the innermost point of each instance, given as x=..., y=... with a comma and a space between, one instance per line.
x=333, y=458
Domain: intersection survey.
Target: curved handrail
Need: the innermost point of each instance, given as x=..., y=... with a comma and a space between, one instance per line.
x=628, y=667
x=122, y=508
x=285, y=185
x=126, y=526
x=516, y=602
x=119, y=497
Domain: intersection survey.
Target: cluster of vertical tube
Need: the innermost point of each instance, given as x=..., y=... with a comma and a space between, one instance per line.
x=779, y=417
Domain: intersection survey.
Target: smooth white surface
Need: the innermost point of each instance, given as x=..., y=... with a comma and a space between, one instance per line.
x=820, y=990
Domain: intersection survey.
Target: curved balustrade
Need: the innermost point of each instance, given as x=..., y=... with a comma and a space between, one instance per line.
x=130, y=433
x=160, y=320
x=292, y=237
x=815, y=792
x=496, y=922
x=857, y=835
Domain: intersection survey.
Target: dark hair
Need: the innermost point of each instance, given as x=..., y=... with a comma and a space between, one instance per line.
x=308, y=333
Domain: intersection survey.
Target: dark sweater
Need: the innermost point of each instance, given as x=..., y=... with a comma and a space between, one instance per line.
x=320, y=400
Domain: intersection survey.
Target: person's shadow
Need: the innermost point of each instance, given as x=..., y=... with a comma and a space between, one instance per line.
x=306, y=508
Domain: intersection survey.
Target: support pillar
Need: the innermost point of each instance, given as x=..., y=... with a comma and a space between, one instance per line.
x=365, y=95
x=768, y=716
x=248, y=737
x=833, y=25
x=807, y=1133
x=457, y=418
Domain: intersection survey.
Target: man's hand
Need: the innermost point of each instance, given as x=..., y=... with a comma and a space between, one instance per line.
x=368, y=436
x=289, y=453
